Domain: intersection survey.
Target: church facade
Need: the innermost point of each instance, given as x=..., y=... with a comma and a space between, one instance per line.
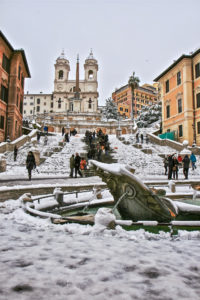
x=69, y=96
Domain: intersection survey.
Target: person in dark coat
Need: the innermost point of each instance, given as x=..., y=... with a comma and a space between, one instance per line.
x=30, y=163
x=170, y=166
x=72, y=165
x=175, y=168
x=15, y=152
x=67, y=137
x=165, y=162
x=77, y=161
x=63, y=131
x=186, y=164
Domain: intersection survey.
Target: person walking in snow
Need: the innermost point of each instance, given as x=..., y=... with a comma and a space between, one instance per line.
x=137, y=137
x=170, y=166
x=63, y=131
x=15, y=152
x=30, y=163
x=193, y=160
x=77, y=162
x=142, y=138
x=165, y=162
x=186, y=164
x=72, y=165
x=83, y=165
x=175, y=168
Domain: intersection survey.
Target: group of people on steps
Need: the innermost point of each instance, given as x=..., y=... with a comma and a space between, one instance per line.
x=172, y=163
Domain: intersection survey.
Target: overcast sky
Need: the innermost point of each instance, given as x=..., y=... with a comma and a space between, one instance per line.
x=144, y=36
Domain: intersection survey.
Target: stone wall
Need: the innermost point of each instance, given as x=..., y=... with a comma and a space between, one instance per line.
x=18, y=142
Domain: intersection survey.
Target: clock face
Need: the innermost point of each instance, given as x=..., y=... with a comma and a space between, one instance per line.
x=60, y=87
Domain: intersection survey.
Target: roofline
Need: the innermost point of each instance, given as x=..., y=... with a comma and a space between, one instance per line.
x=6, y=41
x=15, y=51
x=25, y=60
x=145, y=89
x=176, y=62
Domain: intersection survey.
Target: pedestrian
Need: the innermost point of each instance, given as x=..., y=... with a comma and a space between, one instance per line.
x=165, y=162
x=77, y=161
x=186, y=164
x=193, y=160
x=99, y=151
x=30, y=163
x=67, y=137
x=15, y=152
x=83, y=165
x=38, y=136
x=106, y=149
x=137, y=137
x=175, y=168
x=45, y=140
x=63, y=131
x=170, y=166
x=72, y=165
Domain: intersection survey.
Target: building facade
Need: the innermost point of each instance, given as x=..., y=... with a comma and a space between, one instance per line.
x=68, y=95
x=180, y=95
x=145, y=95
x=13, y=70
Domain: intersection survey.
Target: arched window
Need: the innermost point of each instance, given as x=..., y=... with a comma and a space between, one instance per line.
x=90, y=103
x=60, y=74
x=90, y=74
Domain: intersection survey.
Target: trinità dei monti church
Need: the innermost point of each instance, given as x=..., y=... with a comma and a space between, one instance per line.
x=73, y=103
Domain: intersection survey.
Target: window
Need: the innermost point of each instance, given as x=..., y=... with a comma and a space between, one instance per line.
x=180, y=130
x=24, y=111
x=198, y=100
x=126, y=109
x=38, y=108
x=59, y=104
x=51, y=104
x=6, y=63
x=180, y=106
x=4, y=93
x=198, y=127
x=90, y=103
x=60, y=74
x=178, y=76
x=31, y=103
x=21, y=106
x=121, y=108
x=15, y=126
x=90, y=74
x=45, y=103
x=31, y=112
x=197, y=70
x=167, y=86
x=22, y=81
x=31, y=97
x=19, y=72
x=25, y=103
x=38, y=101
x=1, y=122
x=168, y=111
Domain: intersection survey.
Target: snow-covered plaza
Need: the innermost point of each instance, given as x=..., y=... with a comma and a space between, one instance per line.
x=41, y=260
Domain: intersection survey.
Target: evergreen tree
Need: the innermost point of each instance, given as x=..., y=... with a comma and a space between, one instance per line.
x=110, y=111
x=149, y=115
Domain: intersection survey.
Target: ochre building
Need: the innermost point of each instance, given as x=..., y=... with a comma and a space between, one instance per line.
x=145, y=95
x=13, y=70
x=180, y=95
